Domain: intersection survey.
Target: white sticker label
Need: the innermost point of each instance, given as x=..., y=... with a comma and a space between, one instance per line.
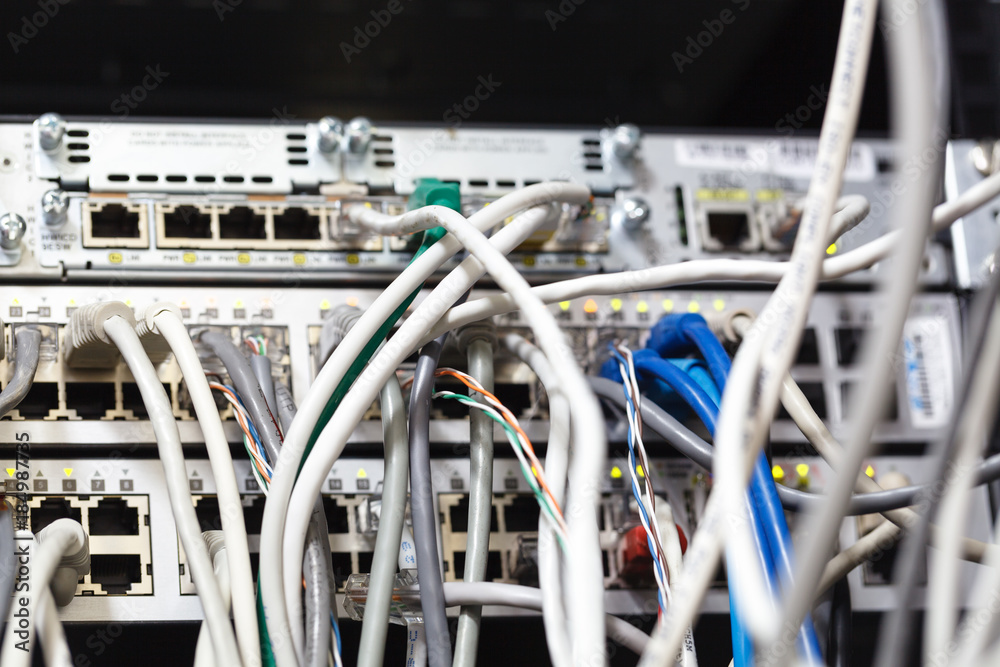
x=793, y=158
x=927, y=354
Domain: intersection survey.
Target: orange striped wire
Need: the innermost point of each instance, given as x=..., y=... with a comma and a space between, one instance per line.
x=517, y=427
x=246, y=430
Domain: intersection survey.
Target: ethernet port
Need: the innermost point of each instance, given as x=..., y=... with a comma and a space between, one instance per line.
x=114, y=225
x=114, y=221
x=815, y=394
x=296, y=224
x=459, y=515
x=516, y=396
x=253, y=514
x=50, y=510
x=521, y=515
x=42, y=397
x=187, y=222
x=115, y=572
x=342, y=568
x=132, y=399
x=91, y=400
x=113, y=516
x=729, y=230
x=209, y=516
x=336, y=516
x=241, y=222
x=494, y=566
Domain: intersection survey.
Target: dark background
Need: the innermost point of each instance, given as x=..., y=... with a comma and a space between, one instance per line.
x=606, y=61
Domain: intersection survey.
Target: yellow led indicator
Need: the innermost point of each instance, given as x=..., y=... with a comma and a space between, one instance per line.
x=368, y=204
x=128, y=302
x=68, y=471
x=590, y=306
x=10, y=471
x=718, y=304
x=353, y=259
x=115, y=257
x=298, y=259
x=15, y=302
x=616, y=473
x=564, y=306
x=668, y=305
x=72, y=302
x=190, y=258
x=616, y=304
x=693, y=307
x=529, y=260
x=324, y=304
x=638, y=470
x=361, y=473
x=601, y=216
x=831, y=249
x=581, y=261
x=778, y=473
x=352, y=301
x=238, y=304
x=243, y=258
x=802, y=469
x=642, y=307
x=870, y=471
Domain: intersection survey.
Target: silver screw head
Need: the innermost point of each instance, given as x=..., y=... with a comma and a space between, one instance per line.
x=55, y=204
x=51, y=129
x=331, y=133
x=631, y=214
x=625, y=140
x=358, y=135
x=12, y=228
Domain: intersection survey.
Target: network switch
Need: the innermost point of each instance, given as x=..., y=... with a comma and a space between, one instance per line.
x=161, y=201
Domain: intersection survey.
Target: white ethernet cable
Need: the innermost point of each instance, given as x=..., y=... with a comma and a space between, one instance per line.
x=586, y=594
x=457, y=593
x=334, y=371
x=164, y=319
x=113, y=322
x=973, y=433
x=700, y=270
x=914, y=114
x=382, y=366
x=556, y=464
x=216, y=542
x=61, y=538
x=356, y=402
x=51, y=634
x=763, y=361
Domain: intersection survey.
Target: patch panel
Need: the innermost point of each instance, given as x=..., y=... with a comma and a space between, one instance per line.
x=61, y=392
x=351, y=546
x=164, y=591
x=920, y=415
x=119, y=532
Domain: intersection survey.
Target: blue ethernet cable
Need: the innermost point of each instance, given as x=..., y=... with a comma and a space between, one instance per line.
x=692, y=329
